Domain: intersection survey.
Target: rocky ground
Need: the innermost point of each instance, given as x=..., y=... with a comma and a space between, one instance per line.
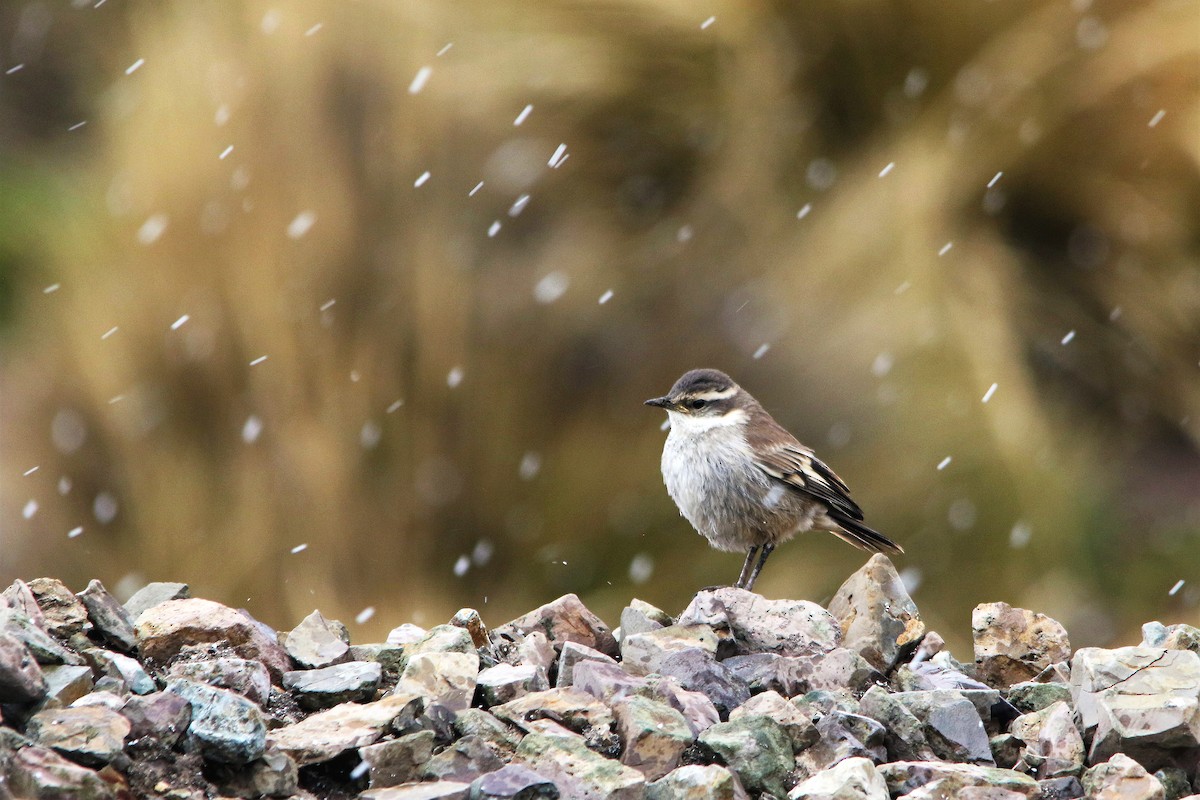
x=177, y=697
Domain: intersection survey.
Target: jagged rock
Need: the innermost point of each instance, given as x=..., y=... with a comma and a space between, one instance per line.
x=38, y=773
x=64, y=684
x=440, y=639
x=1138, y=700
x=437, y=790
x=1013, y=644
x=465, y=760
x=505, y=682
x=823, y=701
x=842, y=735
x=21, y=679
x=953, y=726
x=166, y=628
x=1122, y=778
x=843, y=669
x=572, y=653
x=756, y=625
x=904, y=734
x=273, y=775
x=788, y=675
x=385, y=655
x=399, y=760
x=225, y=726
x=641, y=617
x=329, y=733
x=931, y=676
x=1006, y=750
x=351, y=681
x=153, y=594
x=64, y=615
x=698, y=671
x=696, y=707
x=1171, y=637
x=953, y=788
x=577, y=771
x=447, y=678
x=317, y=642
x=247, y=677
x=120, y=668
x=566, y=619
x=469, y=620
x=535, y=650
x=758, y=749
x=878, y=619
x=799, y=727
x=607, y=682
x=1032, y=696
x=513, y=782
x=163, y=716
x=852, y=779
x=478, y=723
x=643, y=653
x=91, y=735
x=575, y=709
x=406, y=634
x=653, y=735
x=109, y=617
x=1061, y=788
x=904, y=777
x=697, y=782
x=19, y=597
x=1054, y=748
x=44, y=647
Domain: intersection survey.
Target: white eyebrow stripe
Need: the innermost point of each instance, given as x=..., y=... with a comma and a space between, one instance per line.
x=717, y=395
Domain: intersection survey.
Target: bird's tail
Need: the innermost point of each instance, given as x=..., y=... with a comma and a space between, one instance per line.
x=862, y=537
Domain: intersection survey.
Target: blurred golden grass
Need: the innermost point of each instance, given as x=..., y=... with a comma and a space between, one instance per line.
x=691, y=151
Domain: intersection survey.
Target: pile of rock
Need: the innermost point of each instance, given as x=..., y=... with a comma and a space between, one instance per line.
x=169, y=696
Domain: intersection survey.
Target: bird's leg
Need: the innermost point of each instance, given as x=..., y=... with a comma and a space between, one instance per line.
x=762, y=559
x=741, y=581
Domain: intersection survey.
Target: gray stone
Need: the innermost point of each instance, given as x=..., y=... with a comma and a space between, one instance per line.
x=696, y=708
x=399, y=760
x=92, y=735
x=1138, y=700
x=641, y=617
x=574, y=709
x=1031, y=696
x=21, y=679
x=38, y=773
x=842, y=736
x=153, y=594
x=65, y=684
x=787, y=675
x=843, y=669
x=1175, y=782
x=45, y=648
x=697, y=671
x=388, y=656
x=225, y=726
x=566, y=619
x=317, y=642
x=406, y=634
x=904, y=777
x=330, y=733
x=1122, y=778
x=653, y=735
x=19, y=597
x=1013, y=644
x=505, y=682
x=247, y=677
x=571, y=654
x=607, y=682
x=167, y=628
x=109, y=617
x=513, y=782
x=643, y=653
x=758, y=749
x=1061, y=788
x=162, y=716
x=535, y=650
x=852, y=779
x=754, y=624
x=349, y=682
x=824, y=701
x=904, y=734
x=440, y=639
x=1171, y=637
x=478, y=723
x=273, y=775
x=1054, y=747
x=953, y=725
x=577, y=771
x=437, y=790
x=799, y=727
x=465, y=760
x=930, y=676
x=697, y=782
x=878, y=619
x=1006, y=750
x=65, y=617
x=469, y=620
x=122, y=668
x=448, y=678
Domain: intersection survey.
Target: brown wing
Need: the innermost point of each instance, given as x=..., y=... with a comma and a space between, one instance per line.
x=786, y=460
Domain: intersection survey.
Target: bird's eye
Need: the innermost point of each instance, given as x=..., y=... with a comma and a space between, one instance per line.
x=698, y=404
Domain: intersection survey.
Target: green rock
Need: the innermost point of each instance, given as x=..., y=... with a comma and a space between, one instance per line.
x=439, y=639
x=697, y=782
x=577, y=771
x=477, y=722
x=852, y=779
x=906, y=776
x=1032, y=696
x=757, y=748
x=653, y=735
x=905, y=734
x=799, y=726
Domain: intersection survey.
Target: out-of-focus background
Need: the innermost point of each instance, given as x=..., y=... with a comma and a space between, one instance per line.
x=353, y=305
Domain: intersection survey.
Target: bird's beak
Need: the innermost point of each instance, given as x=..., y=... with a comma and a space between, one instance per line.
x=661, y=402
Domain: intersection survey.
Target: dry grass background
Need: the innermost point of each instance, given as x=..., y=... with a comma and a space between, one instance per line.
x=691, y=152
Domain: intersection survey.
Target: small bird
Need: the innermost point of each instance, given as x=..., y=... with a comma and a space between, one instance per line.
x=745, y=483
